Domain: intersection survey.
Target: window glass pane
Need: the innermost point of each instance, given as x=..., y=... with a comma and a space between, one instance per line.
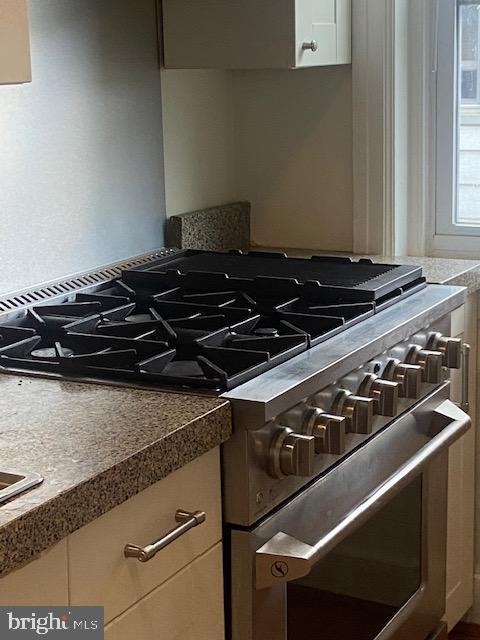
x=469, y=33
x=468, y=135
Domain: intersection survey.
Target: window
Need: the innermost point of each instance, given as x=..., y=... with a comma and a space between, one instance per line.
x=468, y=55
x=458, y=120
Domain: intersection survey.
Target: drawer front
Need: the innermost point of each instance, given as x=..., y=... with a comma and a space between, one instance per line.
x=42, y=582
x=99, y=572
x=189, y=606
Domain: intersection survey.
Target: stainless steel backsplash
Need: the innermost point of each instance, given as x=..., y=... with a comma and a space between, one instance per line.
x=81, y=158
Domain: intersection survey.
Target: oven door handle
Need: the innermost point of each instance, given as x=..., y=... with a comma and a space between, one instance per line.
x=284, y=558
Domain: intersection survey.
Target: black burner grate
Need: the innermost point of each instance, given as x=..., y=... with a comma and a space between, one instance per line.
x=201, y=329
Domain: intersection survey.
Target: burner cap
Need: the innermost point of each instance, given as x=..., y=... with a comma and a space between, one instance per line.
x=49, y=353
x=266, y=332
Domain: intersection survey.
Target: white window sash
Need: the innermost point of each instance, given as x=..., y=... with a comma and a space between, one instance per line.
x=449, y=234
x=392, y=185
x=394, y=111
x=373, y=44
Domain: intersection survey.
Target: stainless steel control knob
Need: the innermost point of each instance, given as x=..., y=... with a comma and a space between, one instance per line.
x=291, y=454
x=383, y=392
x=328, y=431
x=430, y=362
x=450, y=348
x=357, y=410
x=409, y=376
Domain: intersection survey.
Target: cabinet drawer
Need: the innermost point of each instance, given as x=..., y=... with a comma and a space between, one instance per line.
x=100, y=574
x=189, y=606
x=42, y=582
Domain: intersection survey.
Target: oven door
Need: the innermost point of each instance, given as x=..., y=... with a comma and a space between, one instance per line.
x=360, y=553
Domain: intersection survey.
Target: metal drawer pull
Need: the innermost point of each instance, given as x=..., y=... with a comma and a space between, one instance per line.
x=465, y=403
x=187, y=520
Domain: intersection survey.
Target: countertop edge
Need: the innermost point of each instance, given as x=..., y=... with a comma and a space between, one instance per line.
x=470, y=278
x=26, y=537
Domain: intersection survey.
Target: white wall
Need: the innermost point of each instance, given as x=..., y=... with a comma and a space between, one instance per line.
x=282, y=139
x=293, y=140
x=198, y=139
x=81, y=156
x=81, y=162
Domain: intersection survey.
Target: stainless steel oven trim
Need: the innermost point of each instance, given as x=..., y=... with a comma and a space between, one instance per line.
x=262, y=399
x=245, y=474
x=261, y=614
x=264, y=616
x=439, y=634
x=423, y=611
x=297, y=558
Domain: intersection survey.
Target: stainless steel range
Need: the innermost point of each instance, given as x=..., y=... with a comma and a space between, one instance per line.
x=338, y=373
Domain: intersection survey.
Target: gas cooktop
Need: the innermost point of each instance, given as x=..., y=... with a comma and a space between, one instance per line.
x=198, y=319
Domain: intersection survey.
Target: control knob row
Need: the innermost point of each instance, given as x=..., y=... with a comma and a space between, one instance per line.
x=293, y=453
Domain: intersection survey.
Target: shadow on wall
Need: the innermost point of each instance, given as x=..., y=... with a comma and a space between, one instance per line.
x=294, y=143
x=81, y=156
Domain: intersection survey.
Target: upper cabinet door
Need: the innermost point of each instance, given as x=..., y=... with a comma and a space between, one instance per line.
x=316, y=32
x=14, y=42
x=323, y=32
x=256, y=34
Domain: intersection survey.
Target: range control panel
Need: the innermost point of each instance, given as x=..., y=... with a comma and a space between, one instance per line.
x=317, y=433
x=383, y=388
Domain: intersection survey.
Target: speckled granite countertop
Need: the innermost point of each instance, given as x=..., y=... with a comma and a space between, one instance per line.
x=95, y=446
x=462, y=273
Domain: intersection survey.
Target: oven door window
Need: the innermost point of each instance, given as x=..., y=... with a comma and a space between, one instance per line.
x=355, y=591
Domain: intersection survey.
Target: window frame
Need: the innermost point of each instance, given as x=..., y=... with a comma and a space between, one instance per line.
x=449, y=234
x=394, y=103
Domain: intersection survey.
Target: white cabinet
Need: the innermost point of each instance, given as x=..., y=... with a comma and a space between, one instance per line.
x=461, y=483
x=14, y=42
x=248, y=34
x=42, y=582
x=98, y=571
x=176, y=595
x=189, y=606
x=325, y=23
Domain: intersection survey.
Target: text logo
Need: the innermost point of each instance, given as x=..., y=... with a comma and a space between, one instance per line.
x=27, y=623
